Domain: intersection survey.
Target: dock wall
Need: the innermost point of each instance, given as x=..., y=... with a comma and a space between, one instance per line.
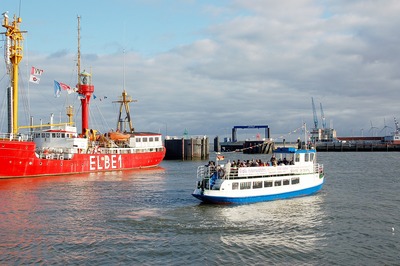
x=187, y=148
x=354, y=147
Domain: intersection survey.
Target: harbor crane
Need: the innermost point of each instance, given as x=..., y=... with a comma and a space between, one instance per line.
x=314, y=113
x=397, y=125
x=322, y=117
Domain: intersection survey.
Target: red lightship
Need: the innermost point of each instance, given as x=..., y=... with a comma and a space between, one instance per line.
x=58, y=149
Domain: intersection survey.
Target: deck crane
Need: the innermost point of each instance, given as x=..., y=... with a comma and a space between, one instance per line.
x=315, y=114
x=397, y=125
x=322, y=117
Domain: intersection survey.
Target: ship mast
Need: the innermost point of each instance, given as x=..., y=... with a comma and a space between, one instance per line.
x=124, y=101
x=85, y=88
x=79, y=48
x=14, y=56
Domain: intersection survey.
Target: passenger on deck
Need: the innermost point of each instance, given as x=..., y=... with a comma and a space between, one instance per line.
x=253, y=163
x=273, y=160
x=228, y=168
x=211, y=164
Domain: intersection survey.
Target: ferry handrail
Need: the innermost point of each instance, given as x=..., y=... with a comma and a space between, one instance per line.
x=318, y=168
x=233, y=172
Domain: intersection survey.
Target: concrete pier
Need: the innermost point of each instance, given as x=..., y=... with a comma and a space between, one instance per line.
x=189, y=148
x=352, y=147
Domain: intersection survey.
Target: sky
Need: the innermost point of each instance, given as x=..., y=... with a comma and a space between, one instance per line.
x=206, y=66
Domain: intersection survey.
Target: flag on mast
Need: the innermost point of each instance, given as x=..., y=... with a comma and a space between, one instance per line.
x=34, y=79
x=58, y=86
x=35, y=72
x=220, y=157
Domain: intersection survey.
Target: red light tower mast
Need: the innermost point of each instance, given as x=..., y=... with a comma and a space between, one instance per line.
x=85, y=88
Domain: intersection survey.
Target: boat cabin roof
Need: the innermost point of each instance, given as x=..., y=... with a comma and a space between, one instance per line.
x=293, y=150
x=139, y=134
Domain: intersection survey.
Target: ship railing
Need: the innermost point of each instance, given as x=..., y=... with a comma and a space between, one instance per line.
x=205, y=171
x=206, y=177
x=233, y=172
x=15, y=137
x=202, y=172
x=318, y=168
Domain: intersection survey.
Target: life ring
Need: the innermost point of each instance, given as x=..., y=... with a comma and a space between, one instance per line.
x=221, y=173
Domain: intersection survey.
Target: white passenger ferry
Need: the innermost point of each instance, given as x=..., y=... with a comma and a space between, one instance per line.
x=289, y=173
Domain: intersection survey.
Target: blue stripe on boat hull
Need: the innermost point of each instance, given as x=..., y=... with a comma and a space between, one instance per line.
x=231, y=200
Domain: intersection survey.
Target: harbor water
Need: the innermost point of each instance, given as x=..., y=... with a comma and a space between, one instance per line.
x=148, y=217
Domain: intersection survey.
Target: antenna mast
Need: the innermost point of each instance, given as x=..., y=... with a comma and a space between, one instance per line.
x=14, y=53
x=79, y=48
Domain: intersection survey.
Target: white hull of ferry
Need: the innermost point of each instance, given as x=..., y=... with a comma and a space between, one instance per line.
x=249, y=190
x=299, y=176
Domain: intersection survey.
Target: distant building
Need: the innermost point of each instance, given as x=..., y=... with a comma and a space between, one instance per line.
x=323, y=135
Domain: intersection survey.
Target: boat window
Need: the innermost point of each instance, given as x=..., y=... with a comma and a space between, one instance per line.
x=157, y=138
x=47, y=135
x=245, y=185
x=235, y=185
x=53, y=135
x=138, y=139
x=295, y=180
x=63, y=135
x=306, y=157
x=58, y=135
x=312, y=157
x=257, y=184
x=267, y=183
x=297, y=157
x=278, y=183
x=286, y=182
x=144, y=139
x=150, y=139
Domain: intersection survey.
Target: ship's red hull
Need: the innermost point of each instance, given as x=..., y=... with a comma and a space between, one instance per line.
x=18, y=159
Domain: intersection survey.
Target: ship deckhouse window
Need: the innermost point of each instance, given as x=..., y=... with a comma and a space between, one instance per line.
x=151, y=139
x=144, y=139
x=58, y=135
x=235, y=185
x=245, y=185
x=157, y=138
x=297, y=157
x=306, y=157
x=295, y=180
x=286, y=182
x=53, y=135
x=312, y=157
x=257, y=184
x=278, y=183
x=138, y=139
x=47, y=135
x=63, y=135
x=43, y=135
x=267, y=183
